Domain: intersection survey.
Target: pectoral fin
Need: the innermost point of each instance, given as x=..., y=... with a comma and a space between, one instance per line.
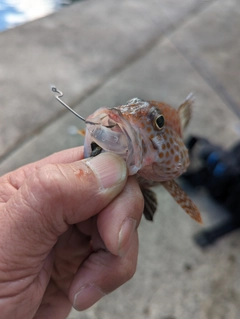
x=150, y=203
x=183, y=200
x=82, y=132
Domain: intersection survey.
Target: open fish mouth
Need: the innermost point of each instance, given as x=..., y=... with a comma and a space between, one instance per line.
x=108, y=131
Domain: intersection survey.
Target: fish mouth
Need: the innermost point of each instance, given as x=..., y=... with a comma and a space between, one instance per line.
x=109, y=131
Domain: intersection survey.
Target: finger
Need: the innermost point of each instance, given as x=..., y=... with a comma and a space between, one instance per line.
x=71, y=250
x=118, y=222
x=114, y=227
x=100, y=274
x=13, y=180
x=54, y=304
x=66, y=156
x=56, y=196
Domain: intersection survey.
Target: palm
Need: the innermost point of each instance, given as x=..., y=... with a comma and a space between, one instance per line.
x=69, y=253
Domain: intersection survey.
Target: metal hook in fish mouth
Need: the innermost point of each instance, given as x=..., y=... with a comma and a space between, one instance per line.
x=60, y=94
x=58, y=97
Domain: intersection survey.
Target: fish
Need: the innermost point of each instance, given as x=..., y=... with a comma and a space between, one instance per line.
x=148, y=135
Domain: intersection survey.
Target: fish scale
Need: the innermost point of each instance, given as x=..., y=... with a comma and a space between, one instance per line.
x=148, y=135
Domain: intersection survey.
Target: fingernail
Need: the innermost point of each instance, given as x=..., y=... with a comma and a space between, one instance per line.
x=87, y=296
x=110, y=169
x=125, y=236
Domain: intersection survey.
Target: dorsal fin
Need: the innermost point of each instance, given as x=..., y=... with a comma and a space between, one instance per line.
x=185, y=111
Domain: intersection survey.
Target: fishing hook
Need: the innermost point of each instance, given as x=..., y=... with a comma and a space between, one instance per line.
x=58, y=97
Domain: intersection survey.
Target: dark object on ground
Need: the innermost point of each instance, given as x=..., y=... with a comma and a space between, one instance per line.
x=218, y=171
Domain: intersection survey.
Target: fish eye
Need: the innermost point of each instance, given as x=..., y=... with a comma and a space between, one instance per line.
x=159, y=122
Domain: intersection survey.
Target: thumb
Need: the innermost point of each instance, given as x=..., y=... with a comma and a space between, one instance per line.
x=56, y=196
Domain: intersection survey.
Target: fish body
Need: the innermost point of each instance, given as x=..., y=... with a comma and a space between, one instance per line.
x=149, y=136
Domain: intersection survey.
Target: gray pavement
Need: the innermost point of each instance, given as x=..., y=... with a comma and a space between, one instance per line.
x=103, y=53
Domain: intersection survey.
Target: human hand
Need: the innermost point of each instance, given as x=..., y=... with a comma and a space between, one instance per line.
x=67, y=233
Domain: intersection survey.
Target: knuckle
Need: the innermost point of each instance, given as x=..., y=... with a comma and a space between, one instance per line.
x=136, y=196
x=49, y=176
x=43, y=195
x=127, y=270
x=115, y=270
x=139, y=201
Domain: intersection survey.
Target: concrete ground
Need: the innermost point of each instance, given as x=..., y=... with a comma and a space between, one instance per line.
x=103, y=53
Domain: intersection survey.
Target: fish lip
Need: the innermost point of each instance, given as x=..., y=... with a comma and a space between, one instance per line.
x=113, y=133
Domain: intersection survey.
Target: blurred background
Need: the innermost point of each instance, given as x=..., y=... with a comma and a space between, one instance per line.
x=102, y=53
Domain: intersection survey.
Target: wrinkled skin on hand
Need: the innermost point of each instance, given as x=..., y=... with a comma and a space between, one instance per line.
x=68, y=233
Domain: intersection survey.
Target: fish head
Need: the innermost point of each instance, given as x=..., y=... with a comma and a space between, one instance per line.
x=147, y=134
x=109, y=130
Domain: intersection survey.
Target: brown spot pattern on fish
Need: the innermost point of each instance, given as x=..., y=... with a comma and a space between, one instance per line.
x=148, y=135
x=183, y=200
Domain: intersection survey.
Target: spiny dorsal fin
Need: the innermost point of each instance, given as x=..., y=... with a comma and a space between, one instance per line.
x=183, y=200
x=185, y=110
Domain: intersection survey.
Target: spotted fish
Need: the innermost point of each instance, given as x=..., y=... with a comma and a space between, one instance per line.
x=148, y=135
